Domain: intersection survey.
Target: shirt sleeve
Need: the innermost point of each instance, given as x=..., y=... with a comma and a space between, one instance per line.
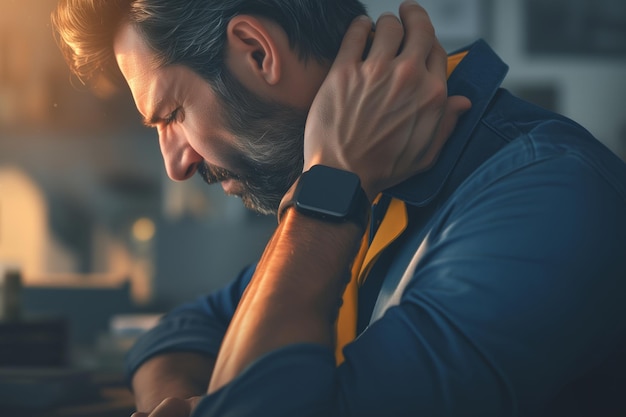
x=518, y=291
x=198, y=326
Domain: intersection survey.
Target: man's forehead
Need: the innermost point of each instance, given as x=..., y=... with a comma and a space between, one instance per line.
x=136, y=63
x=131, y=50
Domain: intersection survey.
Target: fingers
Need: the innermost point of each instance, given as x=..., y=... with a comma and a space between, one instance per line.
x=437, y=61
x=170, y=407
x=456, y=106
x=415, y=35
x=388, y=38
x=419, y=31
x=354, y=41
x=387, y=116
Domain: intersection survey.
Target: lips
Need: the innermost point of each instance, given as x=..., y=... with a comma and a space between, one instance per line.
x=230, y=182
x=212, y=174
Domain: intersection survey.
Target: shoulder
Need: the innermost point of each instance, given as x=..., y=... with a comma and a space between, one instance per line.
x=552, y=191
x=535, y=137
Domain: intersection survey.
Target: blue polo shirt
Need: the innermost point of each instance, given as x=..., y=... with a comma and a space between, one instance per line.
x=503, y=297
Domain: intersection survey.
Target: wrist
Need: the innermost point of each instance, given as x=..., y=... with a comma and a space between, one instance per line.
x=175, y=374
x=328, y=194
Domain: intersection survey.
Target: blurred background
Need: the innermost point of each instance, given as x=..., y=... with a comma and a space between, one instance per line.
x=101, y=237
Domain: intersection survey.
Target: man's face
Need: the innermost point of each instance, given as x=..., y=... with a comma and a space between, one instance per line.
x=252, y=147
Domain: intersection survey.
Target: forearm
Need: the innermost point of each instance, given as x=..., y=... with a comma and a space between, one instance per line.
x=294, y=294
x=177, y=374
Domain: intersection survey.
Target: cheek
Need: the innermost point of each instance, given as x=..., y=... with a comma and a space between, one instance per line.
x=214, y=145
x=198, y=129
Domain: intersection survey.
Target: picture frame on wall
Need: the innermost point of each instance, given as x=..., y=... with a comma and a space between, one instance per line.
x=586, y=28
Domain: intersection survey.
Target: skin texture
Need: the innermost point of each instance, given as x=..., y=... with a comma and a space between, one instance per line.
x=400, y=118
x=195, y=125
x=384, y=118
x=177, y=375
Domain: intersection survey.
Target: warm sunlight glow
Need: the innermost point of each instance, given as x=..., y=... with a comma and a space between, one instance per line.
x=143, y=229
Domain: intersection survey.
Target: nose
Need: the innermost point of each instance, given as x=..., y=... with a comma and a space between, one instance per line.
x=181, y=160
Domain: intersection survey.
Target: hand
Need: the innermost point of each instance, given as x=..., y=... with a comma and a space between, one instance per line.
x=172, y=374
x=385, y=117
x=172, y=407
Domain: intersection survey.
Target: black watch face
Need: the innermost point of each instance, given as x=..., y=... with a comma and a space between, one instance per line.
x=327, y=192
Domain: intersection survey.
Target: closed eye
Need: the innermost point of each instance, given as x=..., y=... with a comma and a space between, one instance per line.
x=155, y=121
x=171, y=118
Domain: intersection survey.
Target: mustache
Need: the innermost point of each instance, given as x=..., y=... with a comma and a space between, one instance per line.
x=213, y=174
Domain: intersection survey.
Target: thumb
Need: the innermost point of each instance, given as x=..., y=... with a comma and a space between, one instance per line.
x=193, y=403
x=456, y=106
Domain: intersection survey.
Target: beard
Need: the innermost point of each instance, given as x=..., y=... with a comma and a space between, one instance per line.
x=269, y=148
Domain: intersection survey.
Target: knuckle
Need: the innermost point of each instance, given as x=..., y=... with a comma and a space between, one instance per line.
x=438, y=92
x=409, y=69
x=373, y=69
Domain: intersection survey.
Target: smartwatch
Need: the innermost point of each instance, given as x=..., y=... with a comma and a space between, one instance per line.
x=328, y=194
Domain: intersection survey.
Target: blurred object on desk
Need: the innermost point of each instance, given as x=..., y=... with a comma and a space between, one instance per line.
x=28, y=341
x=110, y=347
x=30, y=390
x=63, y=392
x=10, y=293
x=88, y=305
x=133, y=325
x=34, y=342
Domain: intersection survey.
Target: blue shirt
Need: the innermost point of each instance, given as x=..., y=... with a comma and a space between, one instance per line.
x=505, y=296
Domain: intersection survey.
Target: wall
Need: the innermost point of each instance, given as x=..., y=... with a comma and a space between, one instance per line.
x=29, y=245
x=589, y=90
x=99, y=170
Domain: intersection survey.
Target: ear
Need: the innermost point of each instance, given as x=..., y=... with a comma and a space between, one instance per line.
x=252, y=50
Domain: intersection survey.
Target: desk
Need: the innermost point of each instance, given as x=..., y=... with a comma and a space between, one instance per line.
x=65, y=394
x=113, y=402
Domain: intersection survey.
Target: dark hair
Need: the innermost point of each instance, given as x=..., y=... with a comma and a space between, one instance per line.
x=193, y=32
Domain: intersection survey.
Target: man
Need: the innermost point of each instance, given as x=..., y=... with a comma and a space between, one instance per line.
x=487, y=263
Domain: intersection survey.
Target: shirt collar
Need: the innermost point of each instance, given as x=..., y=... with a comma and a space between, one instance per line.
x=477, y=77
